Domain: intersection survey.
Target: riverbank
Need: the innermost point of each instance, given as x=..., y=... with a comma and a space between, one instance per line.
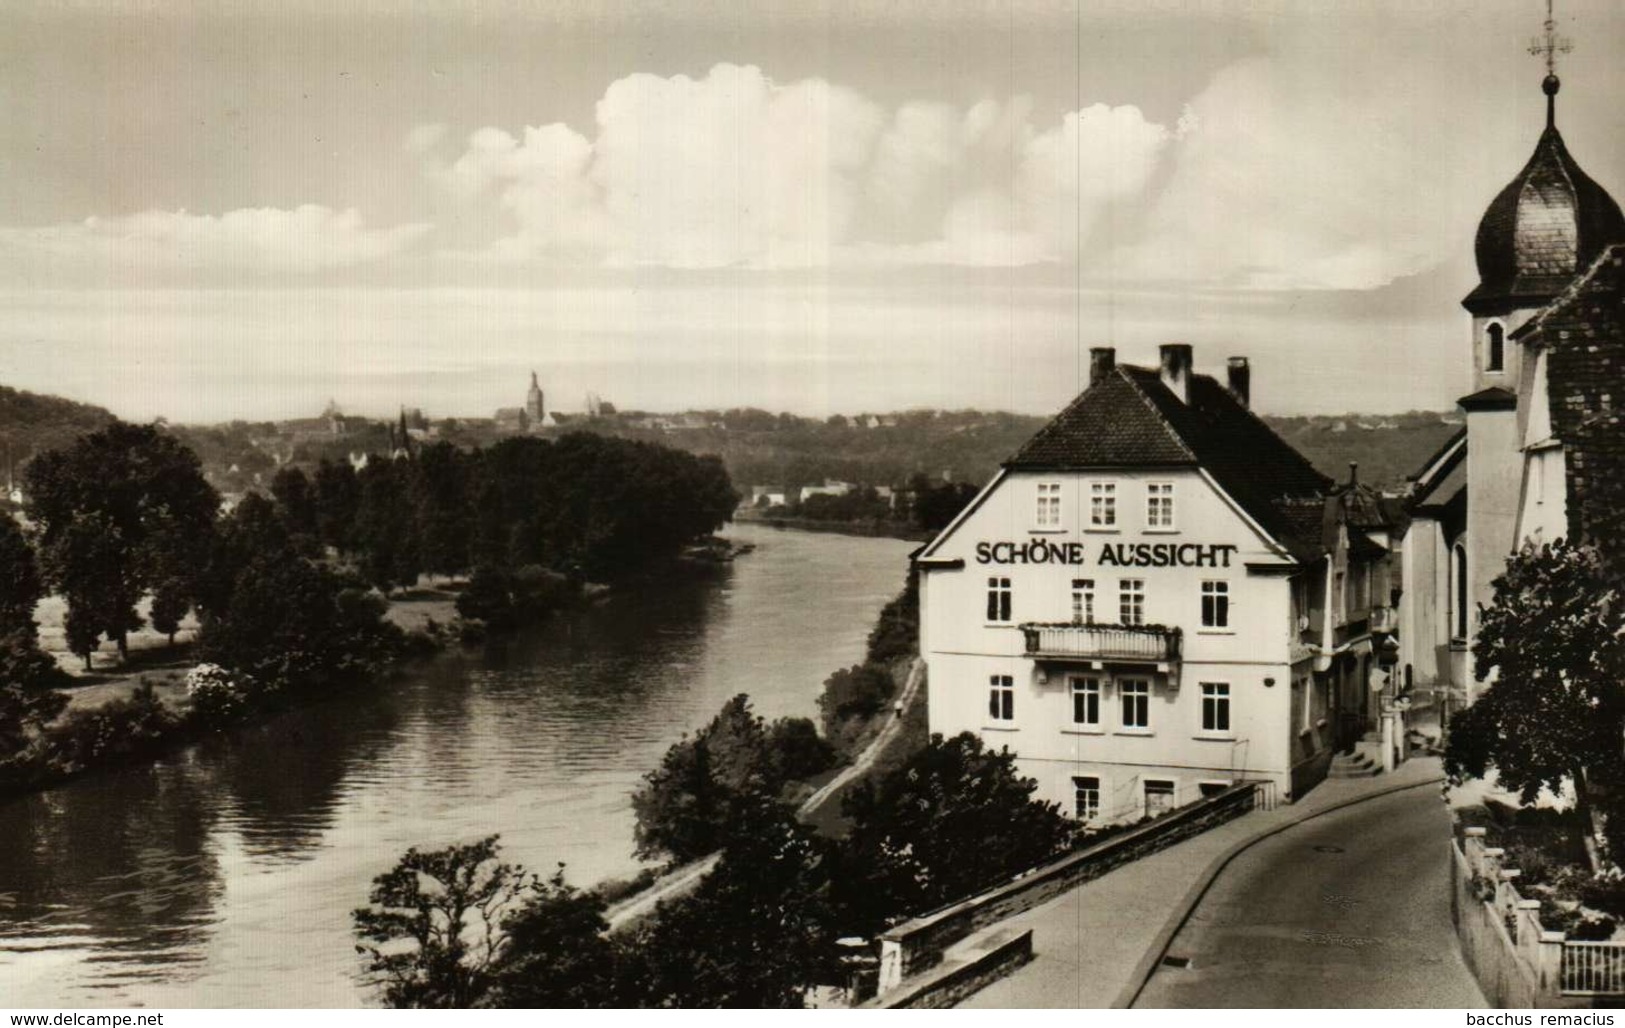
x=224, y=874
x=866, y=529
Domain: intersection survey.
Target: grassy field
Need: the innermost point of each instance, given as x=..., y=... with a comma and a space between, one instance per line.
x=153, y=659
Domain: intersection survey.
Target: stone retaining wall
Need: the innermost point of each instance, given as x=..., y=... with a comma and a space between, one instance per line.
x=918, y=944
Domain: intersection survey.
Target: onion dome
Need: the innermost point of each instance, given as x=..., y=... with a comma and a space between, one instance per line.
x=1545, y=227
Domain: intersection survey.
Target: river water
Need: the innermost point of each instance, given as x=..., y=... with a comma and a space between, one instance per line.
x=225, y=874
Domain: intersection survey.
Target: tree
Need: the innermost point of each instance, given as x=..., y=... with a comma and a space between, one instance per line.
x=559, y=955
x=951, y=821
x=386, y=531
x=289, y=623
x=433, y=934
x=690, y=805
x=1552, y=645
x=112, y=509
x=757, y=933
x=29, y=699
x=936, y=506
x=444, y=518
x=90, y=563
x=20, y=572
x=296, y=505
x=338, y=497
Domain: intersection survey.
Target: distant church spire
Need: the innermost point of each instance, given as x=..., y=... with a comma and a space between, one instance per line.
x=1548, y=45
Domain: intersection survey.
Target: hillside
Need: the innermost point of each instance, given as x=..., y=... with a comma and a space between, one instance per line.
x=1388, y=448
x=33, y=423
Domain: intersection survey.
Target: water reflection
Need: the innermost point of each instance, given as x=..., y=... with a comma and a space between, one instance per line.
x=225, y=875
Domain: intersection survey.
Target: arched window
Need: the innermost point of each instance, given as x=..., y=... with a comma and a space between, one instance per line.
x=1494, y=347
x=1458, y=594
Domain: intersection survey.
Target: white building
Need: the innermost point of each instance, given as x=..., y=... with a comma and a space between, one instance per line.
x=1136, y=605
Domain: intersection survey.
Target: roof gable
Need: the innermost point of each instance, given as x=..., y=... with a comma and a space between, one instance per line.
x=1131, y=419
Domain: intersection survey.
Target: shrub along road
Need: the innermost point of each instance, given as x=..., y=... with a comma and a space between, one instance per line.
x=682, y=880
x=1351, y=909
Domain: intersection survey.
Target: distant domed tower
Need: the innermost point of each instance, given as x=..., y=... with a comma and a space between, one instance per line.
x=1547, y=226
x=533, y=402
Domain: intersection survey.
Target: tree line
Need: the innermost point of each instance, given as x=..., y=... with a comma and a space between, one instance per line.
x=289, y=590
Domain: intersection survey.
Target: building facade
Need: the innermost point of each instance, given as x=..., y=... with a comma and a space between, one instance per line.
x=1156, y=597
x=1541, y=409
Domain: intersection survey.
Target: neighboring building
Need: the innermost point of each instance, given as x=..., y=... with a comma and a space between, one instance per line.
x=511, y=420
x=831, y=488
x=1542, y=413
x=1156, y=597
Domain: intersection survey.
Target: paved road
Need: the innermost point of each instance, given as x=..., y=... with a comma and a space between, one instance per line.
x=1347, y=910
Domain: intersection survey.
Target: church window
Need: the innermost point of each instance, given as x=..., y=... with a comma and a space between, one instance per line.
x=1494, y=348
x=1458, y=572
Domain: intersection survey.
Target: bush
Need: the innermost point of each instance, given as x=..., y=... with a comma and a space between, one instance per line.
x=797, y=750
x=121, y=730
x=897, y=631
x=218, y=697
x=954, y=819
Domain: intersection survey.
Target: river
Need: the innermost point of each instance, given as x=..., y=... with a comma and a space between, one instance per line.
x=225, y=874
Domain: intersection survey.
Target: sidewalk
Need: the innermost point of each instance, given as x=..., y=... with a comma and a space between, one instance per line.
x=1093, y=946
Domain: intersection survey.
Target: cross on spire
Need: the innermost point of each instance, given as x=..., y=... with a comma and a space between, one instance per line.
x=1549, y=44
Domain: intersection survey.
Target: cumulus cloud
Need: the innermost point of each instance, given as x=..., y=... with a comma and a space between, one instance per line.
x=733, y=169
x=267, y=239
x=1272, y=178
x=1279, y=181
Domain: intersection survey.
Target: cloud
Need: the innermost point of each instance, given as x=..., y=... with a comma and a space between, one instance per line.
x=1284, y=180
x=735, y=170
x=308, y=238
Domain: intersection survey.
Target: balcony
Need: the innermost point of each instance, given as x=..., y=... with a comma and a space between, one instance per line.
x=1068, y=641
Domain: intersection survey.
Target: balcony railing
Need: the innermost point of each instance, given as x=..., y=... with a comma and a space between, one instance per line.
x=1068, y=641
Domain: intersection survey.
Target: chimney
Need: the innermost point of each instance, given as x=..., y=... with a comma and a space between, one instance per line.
x=1241, y=381
x=1102, y=359
x=1354, y=473
x=1176, y=369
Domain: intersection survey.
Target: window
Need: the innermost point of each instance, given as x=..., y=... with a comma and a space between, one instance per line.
x=1001, y=698
x=1102, y=504
x=1159, y=505
x=1458, y=571
x=1086, y=798
x=1131, y=601
x=1215, y=604
x=1086, y=702
x=1159, y=797
x=1135, y=694
x=998, y=599
x=1215, y=707
x=1494, y=348
x=1211, y=789
x=1083, y=601
x=1049, y=505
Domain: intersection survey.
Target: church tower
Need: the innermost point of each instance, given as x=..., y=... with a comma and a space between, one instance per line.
x=1541, y=232
x=533, y=402
x=1547, y=226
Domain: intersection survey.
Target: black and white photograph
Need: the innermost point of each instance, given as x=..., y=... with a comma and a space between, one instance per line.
x=689, y=505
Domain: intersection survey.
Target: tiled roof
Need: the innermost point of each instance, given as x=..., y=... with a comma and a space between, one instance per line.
x=1548, y=223
x=1130, y=419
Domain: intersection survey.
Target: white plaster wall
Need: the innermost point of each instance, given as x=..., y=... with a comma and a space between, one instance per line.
x=964, y=651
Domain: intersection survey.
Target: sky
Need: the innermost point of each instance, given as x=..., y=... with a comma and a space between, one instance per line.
x=242, y=210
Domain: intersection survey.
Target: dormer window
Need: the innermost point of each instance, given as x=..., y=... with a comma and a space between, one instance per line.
x=1495, y=347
